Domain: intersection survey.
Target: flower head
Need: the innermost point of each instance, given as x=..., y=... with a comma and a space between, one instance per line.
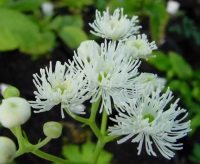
x=14, y=111
x=64, y=86
x=150, y=120
x=116, y=26
x=111, y=72
x=140, y=46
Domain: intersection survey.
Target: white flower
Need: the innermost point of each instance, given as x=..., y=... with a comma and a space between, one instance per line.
x=150, y=82
x=14, y=111
x=7, y=150
x=116, y=26
x=172, y=7
x=109, y=72
x=140, y=47
x=64, y=85
x=151, y=119
x=88, y=51
x=47, y=8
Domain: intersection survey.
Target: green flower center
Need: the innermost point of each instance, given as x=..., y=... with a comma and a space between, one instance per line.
x=138, y=44
x=64, y=86
x=101, y=76
x=149, y=116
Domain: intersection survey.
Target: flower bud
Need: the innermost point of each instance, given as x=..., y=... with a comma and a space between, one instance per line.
x=7, y=150
x=52, y=129
x=14, y=111
x=88, y=50
x=11, y=91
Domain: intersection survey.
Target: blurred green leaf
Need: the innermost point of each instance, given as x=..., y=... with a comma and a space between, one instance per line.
x=183, y=88
x=44, y=44
x=72, y=36
x=28, y=37
x=78, y=4
x=60, y=22
x=160, y=61
x=158, y=16
x=195, y=157
x=85, y=153
x=24, y=5
x=130, y=7
x=7, y=40
x=195, y=122
x=180, y=66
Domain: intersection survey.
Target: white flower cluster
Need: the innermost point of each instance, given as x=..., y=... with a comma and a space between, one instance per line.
x=109, y=72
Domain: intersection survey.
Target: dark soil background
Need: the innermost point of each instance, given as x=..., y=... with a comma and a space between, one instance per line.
x=17, y=69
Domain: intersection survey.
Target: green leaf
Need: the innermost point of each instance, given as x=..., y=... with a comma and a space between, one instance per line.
x=78, y=4
x=85, y=153
x=180, y=66
x=24, y=5
x=27, y=35
x=60, y=22
x=72, y=36
x=156, y=10
x=195, y=122
x=183, y=88
x=160, y=61
x=43, y=45
x=195, y=157
x=7, y=40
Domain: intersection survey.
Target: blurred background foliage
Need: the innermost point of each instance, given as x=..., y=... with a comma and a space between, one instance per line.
x=37, y=27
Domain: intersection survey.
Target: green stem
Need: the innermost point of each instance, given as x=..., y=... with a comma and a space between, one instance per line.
x=98, y=150
x=104, y=122
x=94, y=110
x=101, y=139
x=42, y=143
x=50, y=157
x=19, y=136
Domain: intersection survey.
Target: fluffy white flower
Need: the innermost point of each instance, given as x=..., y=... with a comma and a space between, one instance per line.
x=151, y=119
x=109, y=71
x=116, y=26
x=140, y=47
x=14, y=111
x=64, y=85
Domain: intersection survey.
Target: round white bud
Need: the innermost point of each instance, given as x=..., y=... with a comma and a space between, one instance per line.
x=52, y=129
x=88, y=50
x=14, y=111
x=7, y=150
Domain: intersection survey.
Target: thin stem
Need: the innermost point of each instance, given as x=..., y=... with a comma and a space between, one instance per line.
x=94, y=110
x=42, y=143
x=19, y=136
x=98, y=150
x=77, y=118
x=95, y=129
x=50, y=157
x=104, y=122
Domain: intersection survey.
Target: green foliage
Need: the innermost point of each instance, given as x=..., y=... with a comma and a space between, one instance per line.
x=196, y=154
x=75, y=6
x=183, y=80
x=181, y=68
x=22, y=33
x=23, y=5
x=187, y=29
x=85, y=153
x=155, y=10
x=69, y=29
x=72, y=36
